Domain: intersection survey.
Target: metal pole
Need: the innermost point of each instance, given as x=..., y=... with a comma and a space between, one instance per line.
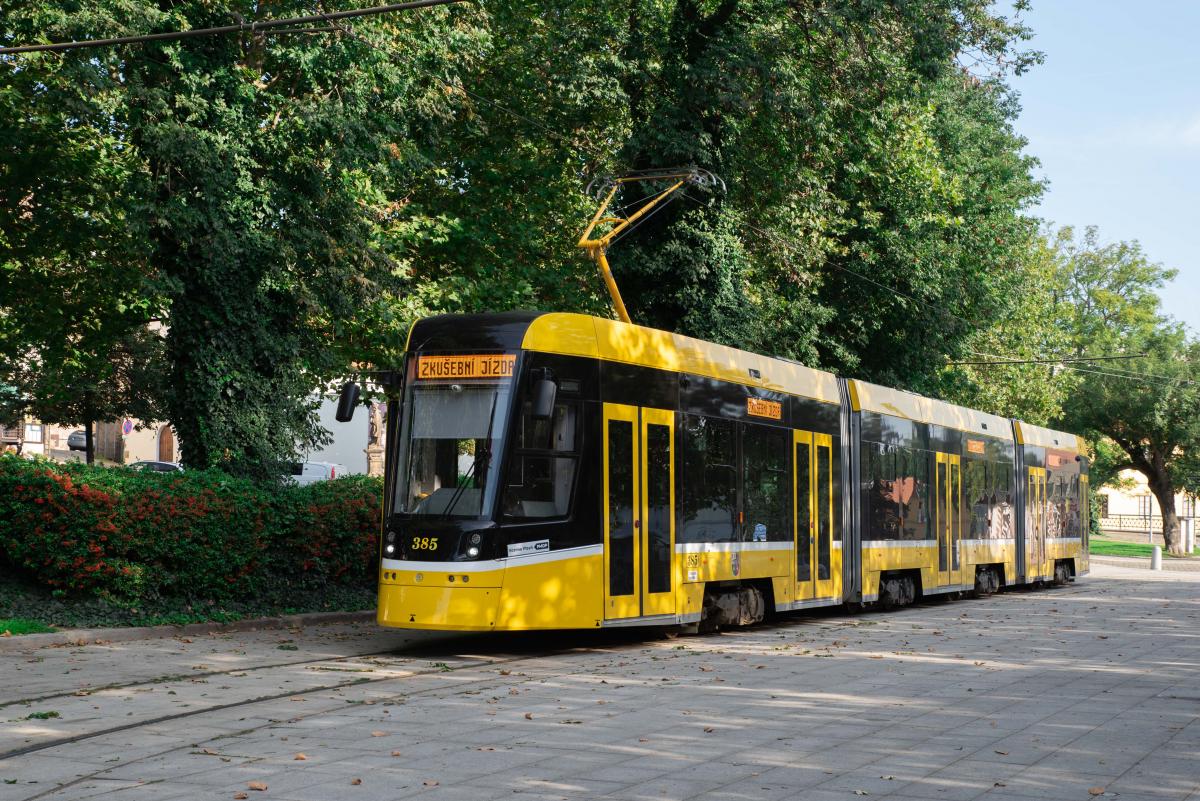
x=1149, y=520
x=606, y=273
x=1156, y=558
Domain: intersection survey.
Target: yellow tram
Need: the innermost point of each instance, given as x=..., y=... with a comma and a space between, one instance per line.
x=553, y=471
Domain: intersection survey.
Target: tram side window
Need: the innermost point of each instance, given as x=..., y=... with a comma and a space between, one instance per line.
x=883, y=519
x=911, y=489
x=1053, y=504
x=1003, y=524
x=541, y=473
x=768, y=490
x=1074, y=511
x=709, y=479
x=977, y=493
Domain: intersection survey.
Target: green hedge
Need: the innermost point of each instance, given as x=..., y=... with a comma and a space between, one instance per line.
x=129, y=536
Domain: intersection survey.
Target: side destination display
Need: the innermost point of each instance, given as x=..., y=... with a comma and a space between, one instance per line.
x=466, y=366
x=764, y=408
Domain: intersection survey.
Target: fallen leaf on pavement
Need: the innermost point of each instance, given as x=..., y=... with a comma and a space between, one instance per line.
x=300, y=757
x=260, y=786
x=1095, y=791
x=240, y=796
x=396, y=753
x=430, y=783
x=356, y=782
x=1002, y=753
x=378, y=733
x=709, y=729
x=529, y=716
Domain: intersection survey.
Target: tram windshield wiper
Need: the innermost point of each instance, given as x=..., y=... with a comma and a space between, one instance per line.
x=482, y=457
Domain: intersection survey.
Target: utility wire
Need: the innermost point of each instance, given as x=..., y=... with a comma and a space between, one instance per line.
x=1113, y=371
x=1052, y=360
x=241, y=27
x=332, y=19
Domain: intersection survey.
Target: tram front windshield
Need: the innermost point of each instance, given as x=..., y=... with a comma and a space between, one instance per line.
x=454, y=435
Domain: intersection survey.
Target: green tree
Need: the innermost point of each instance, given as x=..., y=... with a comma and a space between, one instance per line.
x=875, y=187
x=1029, y=330
x=263, y=173
x=1148, y=406
x=75, y=342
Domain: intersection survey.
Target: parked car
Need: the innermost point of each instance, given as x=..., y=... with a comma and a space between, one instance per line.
x=77, y=441
x=152, y=466
x=303, y=473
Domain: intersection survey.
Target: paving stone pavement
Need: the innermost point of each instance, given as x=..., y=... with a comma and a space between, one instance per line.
x=1073, y=693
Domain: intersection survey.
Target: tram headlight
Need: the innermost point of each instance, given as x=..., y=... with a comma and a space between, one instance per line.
x=389, y=549
x=472, y=552
x=476, y=539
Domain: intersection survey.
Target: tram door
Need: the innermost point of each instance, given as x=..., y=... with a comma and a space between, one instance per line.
x=948, y=518
x=814, y=515
x=639, y=506
x=1036, y=523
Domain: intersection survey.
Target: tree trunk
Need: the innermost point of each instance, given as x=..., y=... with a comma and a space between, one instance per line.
x=1164, y=492
x=89, y=442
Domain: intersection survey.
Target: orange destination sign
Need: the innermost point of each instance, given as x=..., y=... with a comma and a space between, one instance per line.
x=764, y=408
x=975, y=446
x=499, y=365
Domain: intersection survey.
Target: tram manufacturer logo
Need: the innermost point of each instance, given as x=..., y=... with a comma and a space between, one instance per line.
x=764, y=408
x=527, y=548
x=466, y=366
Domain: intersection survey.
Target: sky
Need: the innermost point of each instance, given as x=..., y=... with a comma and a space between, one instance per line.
x=1114, y=116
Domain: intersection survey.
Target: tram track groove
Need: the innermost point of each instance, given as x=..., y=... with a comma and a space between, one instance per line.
x=263, y=699
x=359, y=682
x=819, y=622
x=87, y=691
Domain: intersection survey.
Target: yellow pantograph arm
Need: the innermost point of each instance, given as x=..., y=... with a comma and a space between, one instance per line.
x=596, y=247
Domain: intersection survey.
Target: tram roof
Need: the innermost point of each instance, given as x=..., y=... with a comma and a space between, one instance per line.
x=1029, y=434
x=869, y=397
x=611, y=340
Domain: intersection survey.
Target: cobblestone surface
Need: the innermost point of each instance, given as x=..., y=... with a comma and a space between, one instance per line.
x=1074, y=693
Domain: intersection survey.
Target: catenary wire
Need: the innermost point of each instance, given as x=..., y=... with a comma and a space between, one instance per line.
x=240, y=27
x=332, y=19
x=386, y=50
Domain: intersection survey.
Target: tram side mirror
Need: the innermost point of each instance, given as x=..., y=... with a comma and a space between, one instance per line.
x=544, y=393
x=346, y=402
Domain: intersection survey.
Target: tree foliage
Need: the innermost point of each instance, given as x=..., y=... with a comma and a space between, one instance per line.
x=1147, y=406
x=287, y=204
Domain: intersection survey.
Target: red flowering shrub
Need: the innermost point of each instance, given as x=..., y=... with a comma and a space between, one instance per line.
x=127, y=536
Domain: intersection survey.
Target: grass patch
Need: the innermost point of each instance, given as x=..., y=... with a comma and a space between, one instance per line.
x=20, y=625
x=1107, y=547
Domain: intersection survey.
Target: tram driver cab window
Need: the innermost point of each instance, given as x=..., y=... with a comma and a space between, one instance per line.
x=541, y=473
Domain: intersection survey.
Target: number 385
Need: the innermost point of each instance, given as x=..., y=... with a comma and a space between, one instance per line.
x=424, y=543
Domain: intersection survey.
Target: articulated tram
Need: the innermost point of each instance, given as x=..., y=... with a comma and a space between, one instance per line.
x=554, y=471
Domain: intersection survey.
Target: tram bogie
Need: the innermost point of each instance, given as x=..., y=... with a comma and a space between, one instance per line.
x=553, y=471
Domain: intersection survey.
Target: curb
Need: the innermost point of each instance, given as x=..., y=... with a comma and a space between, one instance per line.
x=1143, y=563
x=28, y=642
